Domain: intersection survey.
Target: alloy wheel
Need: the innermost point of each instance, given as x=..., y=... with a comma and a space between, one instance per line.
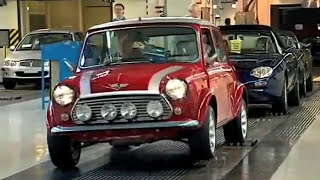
x=244, y=121
x=212, y=133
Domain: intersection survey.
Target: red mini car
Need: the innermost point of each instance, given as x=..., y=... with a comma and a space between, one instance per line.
x=140, y=81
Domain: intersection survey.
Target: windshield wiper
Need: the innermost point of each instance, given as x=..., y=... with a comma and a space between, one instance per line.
x=127, y=61
x=179, y=55
x=135, y=59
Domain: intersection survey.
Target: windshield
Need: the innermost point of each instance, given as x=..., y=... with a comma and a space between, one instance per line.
x=287, y=41
x=250, y=42
x=140, y=45
x=35, y=41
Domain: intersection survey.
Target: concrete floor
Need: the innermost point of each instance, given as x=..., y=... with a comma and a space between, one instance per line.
x=20, y=94
x=22, y=137
x=304, y=158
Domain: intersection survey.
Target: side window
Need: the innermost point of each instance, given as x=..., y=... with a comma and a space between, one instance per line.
x=95, y=51
x=207, y=44
x=78, y=36
x=221, y=46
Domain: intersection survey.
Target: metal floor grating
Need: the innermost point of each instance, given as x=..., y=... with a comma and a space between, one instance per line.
x=110, y=174
x=299, y=121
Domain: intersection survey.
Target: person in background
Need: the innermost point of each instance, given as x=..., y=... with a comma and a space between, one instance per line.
x=119, y=12
x=227, y=21
x=194, y=10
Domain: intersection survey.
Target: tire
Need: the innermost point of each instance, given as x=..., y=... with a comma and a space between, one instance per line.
x=9, y=84
x=303, y=86
x=294, y=95
x=203, y=143
x=236, y=131
x=120, y=147
x=280, y=105
x=64, y=152
x=310, y=83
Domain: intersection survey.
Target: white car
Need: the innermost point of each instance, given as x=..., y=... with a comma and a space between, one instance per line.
x=23, y=65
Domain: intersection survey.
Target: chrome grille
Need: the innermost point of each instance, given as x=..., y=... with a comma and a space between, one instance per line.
x=140, y=101
x=30, y=63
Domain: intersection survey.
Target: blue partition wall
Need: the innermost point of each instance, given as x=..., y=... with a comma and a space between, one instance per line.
x=61, y=52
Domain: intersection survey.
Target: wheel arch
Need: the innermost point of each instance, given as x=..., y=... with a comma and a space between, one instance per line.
x=213, y=104
x=245, y=96
x=208, y=100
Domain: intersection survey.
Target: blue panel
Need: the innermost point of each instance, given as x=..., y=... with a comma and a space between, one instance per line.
x=60, y=52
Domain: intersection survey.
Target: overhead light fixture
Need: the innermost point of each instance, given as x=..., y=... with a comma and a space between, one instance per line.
x=234, y=5
x=215, y=6
x=218, y=16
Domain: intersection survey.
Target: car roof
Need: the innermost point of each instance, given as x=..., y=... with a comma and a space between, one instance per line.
x=160, y=20
x=51, y=31
x=246, y=27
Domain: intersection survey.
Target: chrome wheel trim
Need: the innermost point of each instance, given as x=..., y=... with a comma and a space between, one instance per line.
x=212, y=133
x=285, y=96
x=304, y=84
x=244, y=121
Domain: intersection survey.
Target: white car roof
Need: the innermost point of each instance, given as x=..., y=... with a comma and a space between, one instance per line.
x=189, y=20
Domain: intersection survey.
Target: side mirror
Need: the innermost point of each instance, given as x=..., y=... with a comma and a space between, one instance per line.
x=11, y=48
x=290, y=49
x=70, y=66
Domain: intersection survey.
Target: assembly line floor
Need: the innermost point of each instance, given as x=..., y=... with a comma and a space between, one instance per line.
x=287, y=148
x=24, y=155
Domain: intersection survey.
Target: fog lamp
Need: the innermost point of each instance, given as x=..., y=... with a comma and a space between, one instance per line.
x=83, y=112
x=154, y=109
x=128, y=111
x=108, y=112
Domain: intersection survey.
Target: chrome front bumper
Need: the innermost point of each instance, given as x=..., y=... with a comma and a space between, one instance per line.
x=131, y=126
x=20, y=72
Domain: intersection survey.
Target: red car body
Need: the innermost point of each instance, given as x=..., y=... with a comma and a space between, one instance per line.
x=208, y=84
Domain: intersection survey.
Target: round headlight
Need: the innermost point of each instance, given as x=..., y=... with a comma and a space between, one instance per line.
x=128, y=111
x=262, y=72
x=7, y=62
x=154, y=109
x=83, y=112
x=13, y=63
x=63, y=95
x=108, y=112
x=176, y=89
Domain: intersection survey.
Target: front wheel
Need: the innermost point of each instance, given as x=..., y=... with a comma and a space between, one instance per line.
x=236, y=131
x=64, y=152
x=280, y=105
x=203, y=143
x=9, y=84
x=310, y=83
x=294, y=95
x=303, y=86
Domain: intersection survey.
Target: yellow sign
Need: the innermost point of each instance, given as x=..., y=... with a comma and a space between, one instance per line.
x=235, y=46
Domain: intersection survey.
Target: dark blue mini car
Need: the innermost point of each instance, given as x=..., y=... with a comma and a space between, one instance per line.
x=268, y=69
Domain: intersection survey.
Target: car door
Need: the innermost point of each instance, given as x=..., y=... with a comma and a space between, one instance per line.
x=216, y=75
x=290, y=60
x=228, y=70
